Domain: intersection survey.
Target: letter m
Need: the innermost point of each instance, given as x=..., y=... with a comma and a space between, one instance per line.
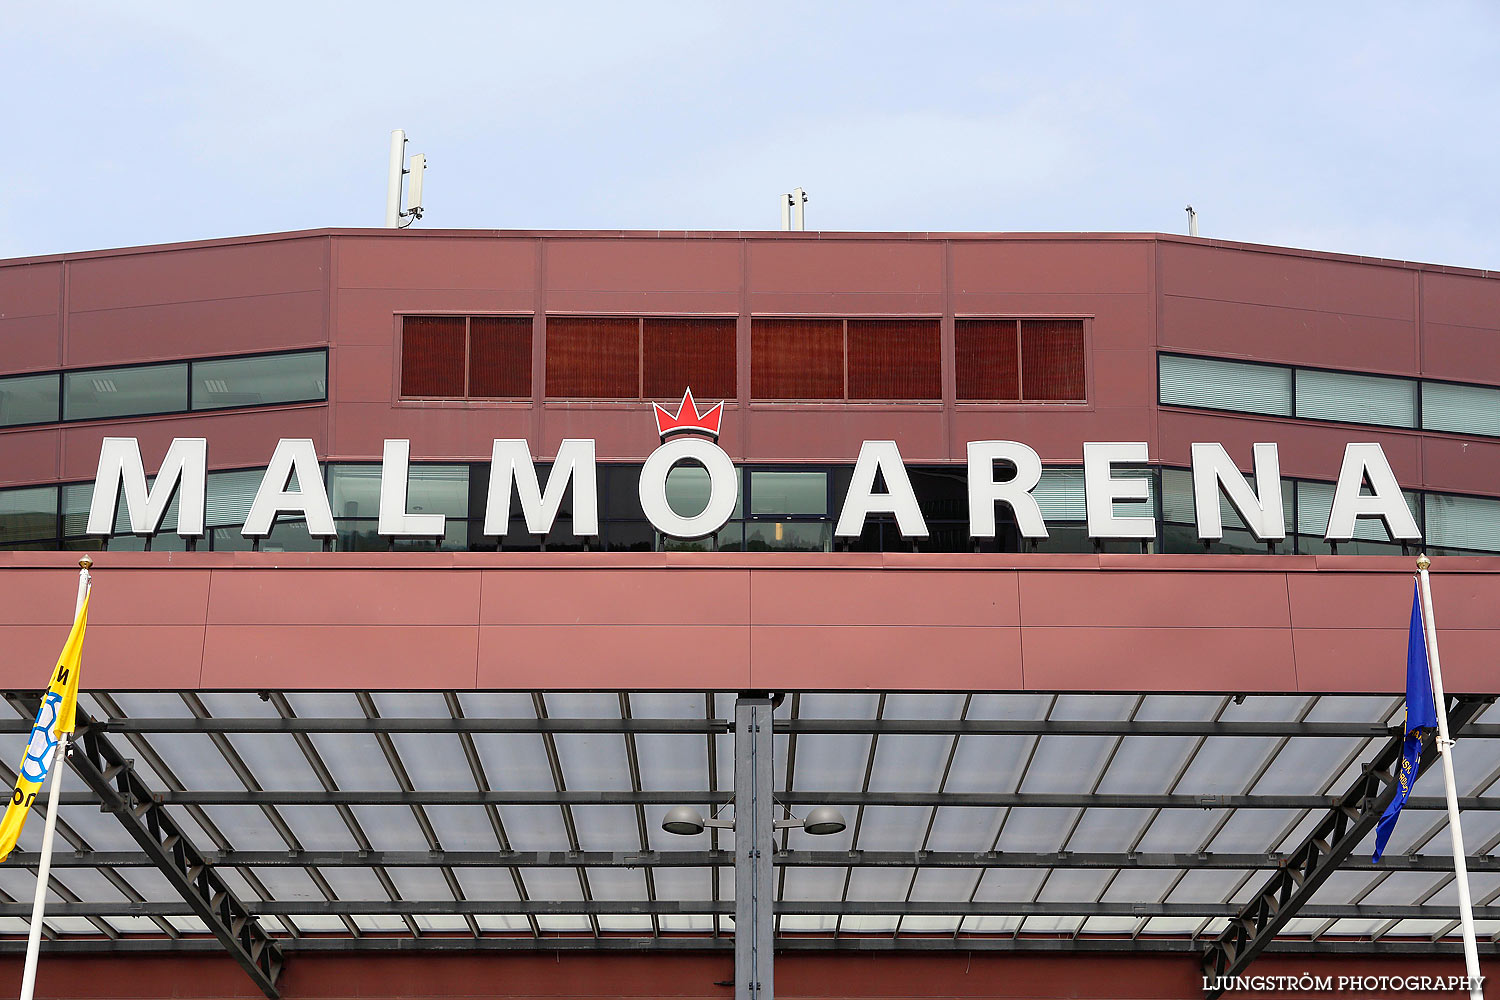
x=184, y=470
x=511, y=463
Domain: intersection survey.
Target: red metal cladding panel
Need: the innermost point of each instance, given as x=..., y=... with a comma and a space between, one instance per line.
x=432, y=356
x=987, y=359
x=593, y=357
x=1052, y=359
x=500, y=357
x=689, y=353
x=796, y=358
x=894, y=359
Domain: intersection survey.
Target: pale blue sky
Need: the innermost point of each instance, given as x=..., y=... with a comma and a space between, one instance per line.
x=1359, y=127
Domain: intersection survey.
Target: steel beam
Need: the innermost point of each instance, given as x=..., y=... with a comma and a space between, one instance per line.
x=205, y=894
x=754, y=841
x=1321, y=853
x=439, y=943
x=721, y=859
x=669, y=907
x=889, y=727
x=572, y=797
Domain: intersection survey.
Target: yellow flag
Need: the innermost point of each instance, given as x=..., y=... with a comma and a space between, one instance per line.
x=56, y=716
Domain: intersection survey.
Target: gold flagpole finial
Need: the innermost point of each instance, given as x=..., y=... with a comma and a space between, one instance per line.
x=1423, y=562
x=85, y=562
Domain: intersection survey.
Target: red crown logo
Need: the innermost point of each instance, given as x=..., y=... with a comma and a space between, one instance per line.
x=687, y=419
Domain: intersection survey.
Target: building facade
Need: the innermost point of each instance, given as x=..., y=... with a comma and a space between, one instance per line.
x=1100, y=737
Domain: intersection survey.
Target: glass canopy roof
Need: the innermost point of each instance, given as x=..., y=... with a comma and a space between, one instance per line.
x=347, y=819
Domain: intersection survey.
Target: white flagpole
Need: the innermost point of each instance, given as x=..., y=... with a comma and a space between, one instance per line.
x=1445, y=749
x=54, y=771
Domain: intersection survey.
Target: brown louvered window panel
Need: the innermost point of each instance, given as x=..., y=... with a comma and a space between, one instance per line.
x=688, y=353
x=894, y=359
x=593, y=357
x=432, y=356
x=1052, y=359
x=797, y=358
x=987, y=359
x=500, y=357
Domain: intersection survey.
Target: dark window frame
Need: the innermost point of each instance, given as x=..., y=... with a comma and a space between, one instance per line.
x=61, y=373
x=1418, y=380
x=640, y=319
x=468, y=318
x=844, y=320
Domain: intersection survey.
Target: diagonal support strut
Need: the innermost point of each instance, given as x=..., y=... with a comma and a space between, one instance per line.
x=1320, y=854
x=122, y=792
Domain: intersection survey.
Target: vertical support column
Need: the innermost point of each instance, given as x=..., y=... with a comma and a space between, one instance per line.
x=754, y=819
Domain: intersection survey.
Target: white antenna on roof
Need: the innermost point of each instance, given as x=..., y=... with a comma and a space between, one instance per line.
x=398, y=168
x=793, y=214
x=1192, y=221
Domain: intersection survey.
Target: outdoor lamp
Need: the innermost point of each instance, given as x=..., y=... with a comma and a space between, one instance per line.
x=687, y=822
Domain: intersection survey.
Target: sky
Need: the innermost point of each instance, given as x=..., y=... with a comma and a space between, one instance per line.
x=1366, y=128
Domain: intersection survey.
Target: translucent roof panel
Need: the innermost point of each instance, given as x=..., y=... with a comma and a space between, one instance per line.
x=1108, y=829
x=462, y=828
x=420, y=883
x=484, y=883
x=350, y=882
x=989, y=763
x=434, y=760
x=356, y=762
x=1137, y=885
x=1068, y=885
x=1226, y=764
x=1175, y=831
x=1146, y=765
x=534, y=828
x=1207, y=885
x=945, y=884
x=909, y=763
x=391, y=828
x=606, y=828
x=275, y=761
x=318, y=828
x=1305, y=764
x=286, y=883
x=1067, y=763
x=672, y=762
x=595, y=762
x=1010, y=706
x=1041, y=829
x=964, y=828
x=892, y=828
x=515, y=762
x=881, y=884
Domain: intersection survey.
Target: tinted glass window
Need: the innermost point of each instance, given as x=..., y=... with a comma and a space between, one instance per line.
x=1225, y=385
x=28, y=399
x=1463, y=409
x=1359, y=399
x=276, y=378
x=27, y=514
x=788, y=493
x=114, y=392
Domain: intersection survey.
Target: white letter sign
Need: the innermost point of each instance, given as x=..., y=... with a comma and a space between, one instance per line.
x=1213, y=469
x=310, y=499
x=394, y=517
x=185, y=467
x=510, y=461
x=861, y=501
x=723, y=488
x=1101, y=489
x=984, y=492
x=1361, y=462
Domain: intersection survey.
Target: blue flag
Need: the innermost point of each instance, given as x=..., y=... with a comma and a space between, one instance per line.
x=1421, y=714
